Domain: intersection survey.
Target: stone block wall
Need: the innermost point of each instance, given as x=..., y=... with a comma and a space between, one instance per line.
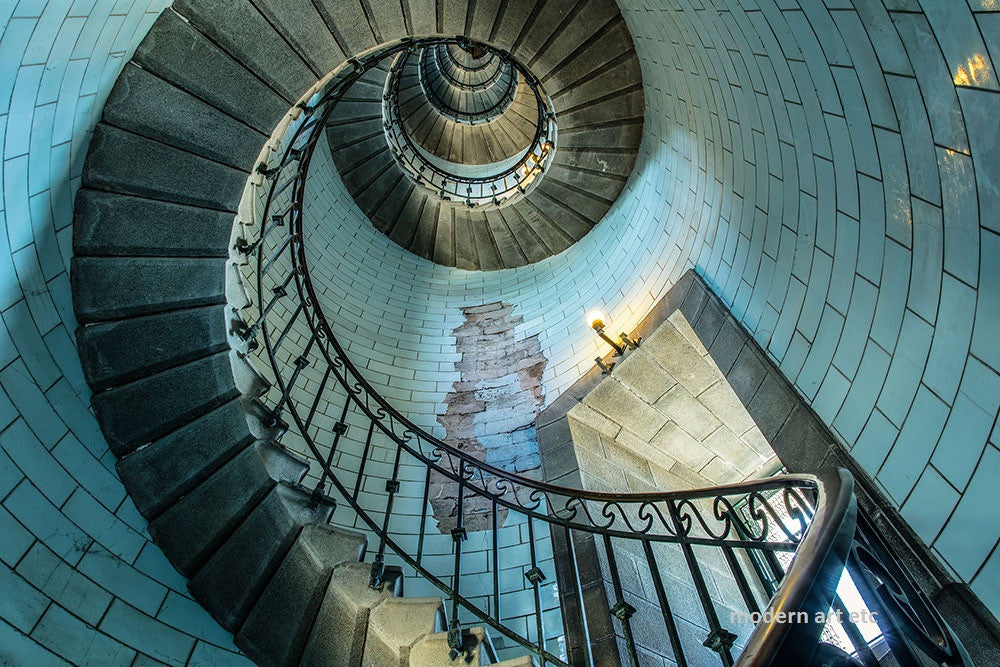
x=669, y=417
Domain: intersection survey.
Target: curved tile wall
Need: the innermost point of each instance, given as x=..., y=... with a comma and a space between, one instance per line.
x=80, y=581
x=832, y=171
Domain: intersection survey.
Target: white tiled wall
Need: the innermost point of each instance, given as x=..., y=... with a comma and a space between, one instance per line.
x=834, y=172
x=80, y=582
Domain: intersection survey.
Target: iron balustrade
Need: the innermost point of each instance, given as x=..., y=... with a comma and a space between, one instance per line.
x=596, y=534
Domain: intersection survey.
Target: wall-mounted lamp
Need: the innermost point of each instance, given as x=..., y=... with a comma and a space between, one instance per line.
x=595, y=319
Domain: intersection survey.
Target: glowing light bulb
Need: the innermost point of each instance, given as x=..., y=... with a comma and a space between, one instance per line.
x=596, y=319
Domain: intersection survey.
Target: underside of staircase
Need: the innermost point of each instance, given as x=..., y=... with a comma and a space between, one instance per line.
x=167, y=167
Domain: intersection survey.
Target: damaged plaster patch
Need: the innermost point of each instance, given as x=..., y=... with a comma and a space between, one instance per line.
x=491, y=408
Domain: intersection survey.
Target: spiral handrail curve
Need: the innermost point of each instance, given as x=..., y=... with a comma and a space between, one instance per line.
x=812, y=516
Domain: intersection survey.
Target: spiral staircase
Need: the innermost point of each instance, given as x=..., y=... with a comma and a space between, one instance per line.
x=168, y=165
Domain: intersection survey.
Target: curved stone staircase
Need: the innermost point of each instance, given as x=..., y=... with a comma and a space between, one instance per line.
x=507, y=135
x=471, y=86
x=588, y=66
x=167, y=166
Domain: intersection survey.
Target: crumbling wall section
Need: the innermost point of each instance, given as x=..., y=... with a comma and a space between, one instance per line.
x=492, y=408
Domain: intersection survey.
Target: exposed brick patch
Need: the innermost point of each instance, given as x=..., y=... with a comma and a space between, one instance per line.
x=492, y=407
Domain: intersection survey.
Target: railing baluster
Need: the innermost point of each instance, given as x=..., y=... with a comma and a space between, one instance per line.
x=661, y=597
x=458, y=536
x=277, y=254
x=621, y=610
x=719, y=639
x=364, y=460
x=535, y=576
x=288, y=328
x=741, y=580
x=864, y=651
x=496, y=561
x=339, y=429
x=319, y=395
x=423, y=515
x=391, y=488
x=574, y=573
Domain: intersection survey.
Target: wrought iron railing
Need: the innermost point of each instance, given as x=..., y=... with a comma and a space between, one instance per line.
x=611, y=551
x=512, y=180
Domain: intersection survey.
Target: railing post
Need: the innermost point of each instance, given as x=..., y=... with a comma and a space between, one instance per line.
x=719, y=639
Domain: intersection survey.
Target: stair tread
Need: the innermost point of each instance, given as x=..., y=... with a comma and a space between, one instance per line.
x=120, y=351
x=396, y=624
x=148, y=105
x=138, y=412
x=121, y=161
x=241, y=30
x=189, y=531
x=228, y=584
x=170, y=47
x=108, y=223
x=107, y=288
x=158, y=475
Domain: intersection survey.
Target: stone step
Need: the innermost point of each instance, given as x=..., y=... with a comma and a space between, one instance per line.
x=625, y=106
x=301, y=24
x=368, y=170
x=159, y=474
x=586, y=205
x=529, y=222
x=374, y=195
x=400, y=201
x=346, y=111
x=232, y=579
x=510, y=248
x=396, y=624
x=107, y=223
x=523, y=661
x=278, y=627
x=423, y=16
x=424, y=236
x=120, y=351
x=399, y=221
x=559, y=215
x=191, y=530
x=338, y=634
x=612, y=45
x=134, y=414
x=350, y=23
x=603, y=185
x=281, y=463
x=145, y=104
x=444, y=236
x=173, y=44
x=355, y=157
x=565, y=44
x=345, y=137
x=121, y=161
x=433, y=650
x=246, y=35
x=107, y=288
